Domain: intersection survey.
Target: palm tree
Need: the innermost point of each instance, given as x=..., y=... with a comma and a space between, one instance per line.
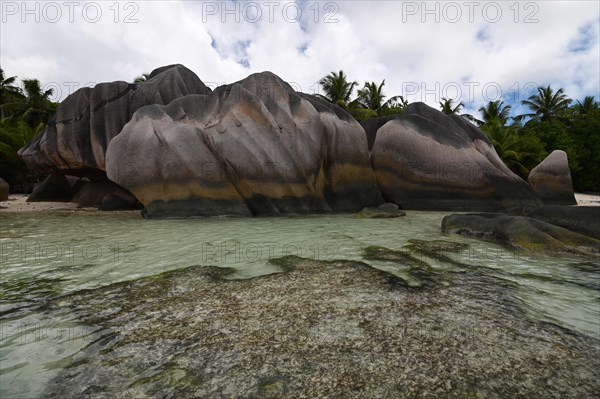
x=519, y=152
x=14, y=135
x=447, y=106
x=39, y=108
x=495, y=112
x=371, y=97
x=587, y=106
x=142, y=78
x=546, y=104
x=337, y=88
x=6, y=86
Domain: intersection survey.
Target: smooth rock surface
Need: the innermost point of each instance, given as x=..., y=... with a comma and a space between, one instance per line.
x=426, y=160
x=372, y=125
x=383, y=211
x=255, y=147
x=55, y=188
x=551, y=180
x=119, y=202
x=581, y=219
x=78, y=135
x=93, y=194
x=521, y=232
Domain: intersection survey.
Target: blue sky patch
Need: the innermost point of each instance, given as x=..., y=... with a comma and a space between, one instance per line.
x=586, y=39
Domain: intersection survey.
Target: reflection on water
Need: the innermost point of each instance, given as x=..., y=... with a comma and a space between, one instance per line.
x=45, y=257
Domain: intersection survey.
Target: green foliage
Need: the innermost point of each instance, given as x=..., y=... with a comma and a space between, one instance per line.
x=24, y=112
x=577, y=132
x=520, y=152
x=38, y=107
x=585, y=131
x=360, y=114
x=546, y=105
x=370, y=99
x=337, y=88
x=447, y=106
x=14, y=134
x=371, y=96
x=495, y=112
x=142, y=78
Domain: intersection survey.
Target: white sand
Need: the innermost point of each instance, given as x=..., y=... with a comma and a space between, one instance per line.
x=587, y=199
x=17, y=203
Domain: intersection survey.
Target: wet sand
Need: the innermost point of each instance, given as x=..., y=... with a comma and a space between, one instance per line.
x=18, y=203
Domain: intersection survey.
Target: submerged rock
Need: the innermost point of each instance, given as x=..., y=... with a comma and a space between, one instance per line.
x=255, y=147
x=580, y=219
x=522, y=232
x=383, y=211
x=551, y=180
x=426, y=160
x=322, y=329
x=78, y=135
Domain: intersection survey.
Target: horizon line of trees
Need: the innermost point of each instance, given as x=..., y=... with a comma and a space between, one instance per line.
x=554, y=122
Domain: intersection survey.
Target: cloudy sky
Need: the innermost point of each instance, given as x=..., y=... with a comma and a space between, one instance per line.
x=474, y=51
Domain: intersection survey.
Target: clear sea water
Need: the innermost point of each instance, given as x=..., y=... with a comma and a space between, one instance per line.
x=46, y=256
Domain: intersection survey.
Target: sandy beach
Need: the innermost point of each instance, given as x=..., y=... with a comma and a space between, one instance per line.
x=18, y=203
x=587, y=199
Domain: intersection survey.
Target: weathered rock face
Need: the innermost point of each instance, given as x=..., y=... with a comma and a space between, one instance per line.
x=255, y=147
x=3, y=190
x=581, y=219
x=383, y=211
x=77, y=137
x=426, y=160
x=372, y=125
x=551, y=180
x=94, y=194
x=55, y=188
x=522, y=232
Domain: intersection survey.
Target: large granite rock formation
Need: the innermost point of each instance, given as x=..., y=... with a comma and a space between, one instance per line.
x=255, y=147
x=426, y=160
x=77, y=137
x=551, y=180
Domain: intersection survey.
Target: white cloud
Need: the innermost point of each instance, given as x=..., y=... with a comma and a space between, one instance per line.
x=369, y=40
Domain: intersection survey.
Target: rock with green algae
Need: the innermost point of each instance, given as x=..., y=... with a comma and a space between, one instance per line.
x=522, y=232
x=384, y=211
x=437, y=250
x=413, y=272
x=321, y=329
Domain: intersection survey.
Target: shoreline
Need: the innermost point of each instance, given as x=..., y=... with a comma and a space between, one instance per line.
x=17, y=203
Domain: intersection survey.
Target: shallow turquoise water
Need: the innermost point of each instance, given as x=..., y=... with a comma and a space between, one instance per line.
x=47, y=256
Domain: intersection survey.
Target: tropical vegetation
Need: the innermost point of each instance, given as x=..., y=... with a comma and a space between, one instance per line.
x=24, y=111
